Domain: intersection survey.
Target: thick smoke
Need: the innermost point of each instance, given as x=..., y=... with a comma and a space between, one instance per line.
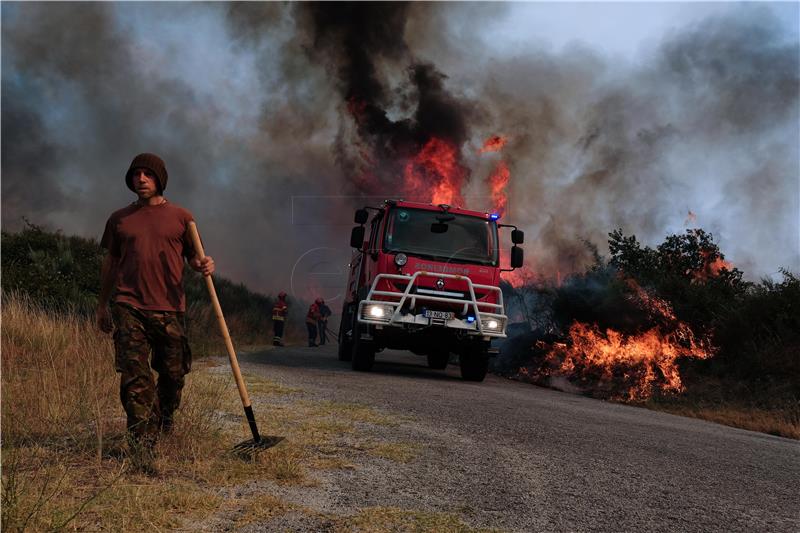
x=365, y=45
x=87, y=86
x=258, y=107
x=708, y=122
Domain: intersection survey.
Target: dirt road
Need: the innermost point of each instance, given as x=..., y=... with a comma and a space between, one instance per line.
x=515, y=457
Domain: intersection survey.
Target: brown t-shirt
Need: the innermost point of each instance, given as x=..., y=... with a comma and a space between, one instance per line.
x=150, y=243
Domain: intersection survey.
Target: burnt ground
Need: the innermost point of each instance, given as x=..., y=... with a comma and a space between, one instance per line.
x=515, y=457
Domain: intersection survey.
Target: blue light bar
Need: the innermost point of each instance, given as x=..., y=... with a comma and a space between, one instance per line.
x=470, y=319
x=494, y=216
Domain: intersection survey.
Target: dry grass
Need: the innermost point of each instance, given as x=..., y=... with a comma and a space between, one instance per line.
x=64, y=453
x=768, y=407
x=262, y=508
x=353, y=412
x=59, y=383
x=783, y=423
x=400, y=452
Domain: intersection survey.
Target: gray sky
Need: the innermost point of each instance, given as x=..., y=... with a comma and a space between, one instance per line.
x=619, y=29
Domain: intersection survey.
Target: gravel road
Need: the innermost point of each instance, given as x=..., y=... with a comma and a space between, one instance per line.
x=516, y=457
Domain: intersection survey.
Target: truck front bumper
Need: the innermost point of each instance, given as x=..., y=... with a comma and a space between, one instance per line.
x=399, y=309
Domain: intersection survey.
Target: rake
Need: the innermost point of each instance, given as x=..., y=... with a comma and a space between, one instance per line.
x=258, y=442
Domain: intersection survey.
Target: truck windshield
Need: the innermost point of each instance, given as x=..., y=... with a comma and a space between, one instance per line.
x=468, y=239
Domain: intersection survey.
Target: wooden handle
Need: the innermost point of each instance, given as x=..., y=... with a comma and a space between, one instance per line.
x=198, y=246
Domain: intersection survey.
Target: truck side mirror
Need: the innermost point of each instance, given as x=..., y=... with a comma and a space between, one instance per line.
x=357, y=237
x=517, y=236
x=516, y=257
x=361, y=216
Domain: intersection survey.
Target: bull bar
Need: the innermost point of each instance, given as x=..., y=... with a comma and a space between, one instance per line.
x=397, y=318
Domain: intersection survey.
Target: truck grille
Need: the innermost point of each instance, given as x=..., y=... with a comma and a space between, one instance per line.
x=431, y=291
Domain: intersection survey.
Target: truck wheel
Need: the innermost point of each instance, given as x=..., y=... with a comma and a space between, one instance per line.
x=345, y=342
x=474, y=365
x=363, y=353
x=438, y=360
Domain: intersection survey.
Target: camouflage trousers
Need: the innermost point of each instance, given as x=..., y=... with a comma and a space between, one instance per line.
x=143, y=339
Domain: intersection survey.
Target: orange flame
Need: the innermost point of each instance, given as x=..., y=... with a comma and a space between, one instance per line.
x=712, y=266
x=629, y=367
x=495, y=143
x=436, y=168
x=498, y=180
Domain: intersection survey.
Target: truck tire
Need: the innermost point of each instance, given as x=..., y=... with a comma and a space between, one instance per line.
x=474, y=365
x=363, y=353
x=438, y=360
x=345, y=342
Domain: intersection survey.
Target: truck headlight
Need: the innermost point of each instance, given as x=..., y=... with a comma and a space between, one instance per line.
x=378, y=312
x=492, y=325
x=400, y=259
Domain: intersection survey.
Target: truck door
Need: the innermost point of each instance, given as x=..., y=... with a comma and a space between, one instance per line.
x=372, y=254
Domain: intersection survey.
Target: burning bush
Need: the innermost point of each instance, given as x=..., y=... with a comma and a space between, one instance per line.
x=621, y=340
x=629, y=324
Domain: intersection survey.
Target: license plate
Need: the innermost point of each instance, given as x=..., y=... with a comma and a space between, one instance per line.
x=445, y=315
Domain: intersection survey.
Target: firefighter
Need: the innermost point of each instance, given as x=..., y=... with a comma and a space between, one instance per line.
x=312, y=318
x=279, y=311
x=322, y=323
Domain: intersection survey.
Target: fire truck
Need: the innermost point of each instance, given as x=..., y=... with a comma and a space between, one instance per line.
x=426, y=279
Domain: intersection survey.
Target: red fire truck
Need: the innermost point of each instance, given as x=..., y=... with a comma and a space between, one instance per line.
x=426, y=280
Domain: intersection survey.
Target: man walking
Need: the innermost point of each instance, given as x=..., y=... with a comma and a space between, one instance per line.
x=279, y=311
x=147, y=242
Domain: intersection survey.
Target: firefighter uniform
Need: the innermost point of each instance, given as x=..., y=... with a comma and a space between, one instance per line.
x=279, y=311
x=312, y=318
x=322, y=324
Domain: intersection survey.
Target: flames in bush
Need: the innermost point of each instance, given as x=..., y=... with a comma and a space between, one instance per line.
x=619, y=366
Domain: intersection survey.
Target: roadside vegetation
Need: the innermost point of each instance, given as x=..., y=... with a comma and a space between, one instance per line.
x=65, y=463
x=738, y=341
x=62, y=273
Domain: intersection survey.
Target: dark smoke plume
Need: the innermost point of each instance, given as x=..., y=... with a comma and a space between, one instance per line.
x=365, y=44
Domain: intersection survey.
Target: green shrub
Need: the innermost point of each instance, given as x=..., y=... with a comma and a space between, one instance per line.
x=759, y=337
x=55, y=270
x=62, y=274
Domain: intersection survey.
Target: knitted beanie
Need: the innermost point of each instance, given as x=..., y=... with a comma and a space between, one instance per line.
x=151, y=162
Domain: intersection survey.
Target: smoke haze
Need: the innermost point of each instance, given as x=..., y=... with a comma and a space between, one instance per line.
x=267, y=115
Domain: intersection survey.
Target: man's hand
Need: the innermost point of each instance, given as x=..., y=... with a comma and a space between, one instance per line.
x=104, y=319
x=205, y=266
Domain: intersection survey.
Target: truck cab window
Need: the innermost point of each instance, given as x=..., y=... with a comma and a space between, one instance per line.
x=468, y=238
